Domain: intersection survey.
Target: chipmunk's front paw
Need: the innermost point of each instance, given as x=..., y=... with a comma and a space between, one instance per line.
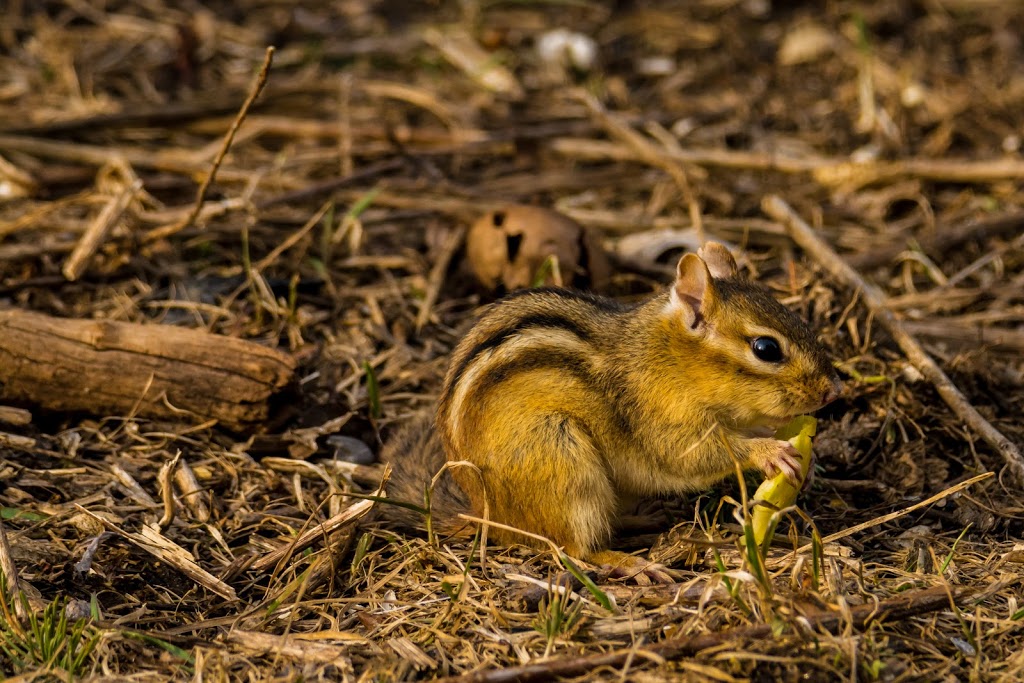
x=772, y=456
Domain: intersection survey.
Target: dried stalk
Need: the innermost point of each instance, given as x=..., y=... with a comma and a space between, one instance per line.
x=944, y=238
x=828, y=171
x=860, y=617
x=451, y=244
x=649, y=153
x=261, y=81
x=9, y=572
x=98, y=231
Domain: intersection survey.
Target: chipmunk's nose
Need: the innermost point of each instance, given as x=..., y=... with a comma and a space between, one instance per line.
x=833, y=392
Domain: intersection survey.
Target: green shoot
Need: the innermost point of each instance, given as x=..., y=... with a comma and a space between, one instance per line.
x=327, y=234
x=557, y=616
x=581, y=576
x=455, y=593
x=733, y=588
x=372, y=390
x=862, y=378
x=363, y=204
x=7, y=513
x=291, y=588
x=450, y=590
x=875, y=669
x=548, y=268
x=863, y=39
x=428, y=491
x=350, y=229
x=755, y=559
x=47, y=640
x=949, y=557
x=387, y=501
x=817, y=558
x=170, y=648
x=362, y=548
x=250, y=276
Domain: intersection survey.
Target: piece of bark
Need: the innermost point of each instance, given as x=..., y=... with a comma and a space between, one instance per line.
x=99, y=230
x=116, y=368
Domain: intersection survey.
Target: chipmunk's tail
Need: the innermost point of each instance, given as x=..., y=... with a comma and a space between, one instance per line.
x=416, y=456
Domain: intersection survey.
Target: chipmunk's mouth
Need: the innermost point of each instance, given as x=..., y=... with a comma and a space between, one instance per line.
x=767, y=426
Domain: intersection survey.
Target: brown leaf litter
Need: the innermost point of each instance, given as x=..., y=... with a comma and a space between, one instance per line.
x=151, y=173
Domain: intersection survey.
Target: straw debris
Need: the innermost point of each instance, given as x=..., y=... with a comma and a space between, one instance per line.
x=244, y=268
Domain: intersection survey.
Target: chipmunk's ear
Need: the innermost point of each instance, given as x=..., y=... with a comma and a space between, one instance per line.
x=693, y=291
x=719, y=260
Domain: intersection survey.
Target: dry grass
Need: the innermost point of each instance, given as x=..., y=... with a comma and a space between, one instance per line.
x=894, y=129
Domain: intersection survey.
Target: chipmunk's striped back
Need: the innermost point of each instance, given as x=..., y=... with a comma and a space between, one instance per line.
x=543, y=329
x=534, y=372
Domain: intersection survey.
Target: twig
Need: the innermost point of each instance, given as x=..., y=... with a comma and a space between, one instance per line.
x=167, y=491
x=945, y=237
x=292, y=239
x=164, y=114
x=345, y=125
x=98, y=155
x=15, y=416
x=828, y=171
x=875, y=300
x=261, y=80
x=45, y=245
x=650, y=154
x=98, y=231
x=191, y=492
x=973, y=336
x=860, y=617
x=616, y=223
x=436, y=278
x=331, y=184
x=839, y=535
x=313, y=534
x=316, y=532
x=159, y=546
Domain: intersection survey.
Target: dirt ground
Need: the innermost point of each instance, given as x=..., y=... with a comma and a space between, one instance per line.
x=333, y=231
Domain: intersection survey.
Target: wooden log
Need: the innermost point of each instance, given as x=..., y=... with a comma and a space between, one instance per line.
x=116, y=368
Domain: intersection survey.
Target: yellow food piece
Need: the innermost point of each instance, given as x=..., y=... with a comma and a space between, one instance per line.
x=778, y=490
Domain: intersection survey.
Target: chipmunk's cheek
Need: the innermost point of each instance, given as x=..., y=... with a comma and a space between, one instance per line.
x=801, y=403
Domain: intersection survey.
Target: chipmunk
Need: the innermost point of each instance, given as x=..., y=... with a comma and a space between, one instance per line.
x=568, y=403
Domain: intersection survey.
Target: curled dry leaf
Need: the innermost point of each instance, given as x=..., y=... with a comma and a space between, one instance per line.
x=508, y=248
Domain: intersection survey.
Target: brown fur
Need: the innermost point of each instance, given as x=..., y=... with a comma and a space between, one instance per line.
x=568, y=402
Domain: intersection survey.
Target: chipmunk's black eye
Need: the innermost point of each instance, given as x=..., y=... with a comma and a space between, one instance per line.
x=767, y=349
